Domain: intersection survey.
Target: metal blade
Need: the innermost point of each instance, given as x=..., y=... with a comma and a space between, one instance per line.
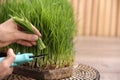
x=38, y=56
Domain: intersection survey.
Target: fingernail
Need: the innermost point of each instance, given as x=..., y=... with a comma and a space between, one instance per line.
x=34, y=37
x=11, y=53
x=10, y=50
x=40, y=35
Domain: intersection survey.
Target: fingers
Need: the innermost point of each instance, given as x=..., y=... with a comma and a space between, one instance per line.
x=5, y=69
x=9, y=71
x=36, y=31
x=33, y=43
x=5, y=72
x=10, y=58
x=3, y=44
x=24, y=36
x=26, y=43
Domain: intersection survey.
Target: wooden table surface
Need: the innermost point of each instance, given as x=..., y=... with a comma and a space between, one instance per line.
x=101, y=53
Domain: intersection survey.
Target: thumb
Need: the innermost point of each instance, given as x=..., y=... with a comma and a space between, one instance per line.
x=10, y=57
x=24, y=36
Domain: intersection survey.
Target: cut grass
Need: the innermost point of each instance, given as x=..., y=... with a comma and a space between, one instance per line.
x=27, y=26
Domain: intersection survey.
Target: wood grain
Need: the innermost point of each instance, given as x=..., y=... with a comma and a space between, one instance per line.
x=97, y=17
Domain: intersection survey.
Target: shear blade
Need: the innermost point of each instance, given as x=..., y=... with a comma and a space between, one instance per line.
x=38, y=56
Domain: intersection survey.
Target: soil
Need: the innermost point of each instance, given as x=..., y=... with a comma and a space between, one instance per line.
x=44, y=74
x=81, y=72
x=17, y=77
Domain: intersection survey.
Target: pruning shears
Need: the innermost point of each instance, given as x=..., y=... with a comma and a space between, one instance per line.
x=21, y=58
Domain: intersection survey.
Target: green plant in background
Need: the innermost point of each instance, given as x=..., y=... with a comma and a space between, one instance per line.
x=54, y=19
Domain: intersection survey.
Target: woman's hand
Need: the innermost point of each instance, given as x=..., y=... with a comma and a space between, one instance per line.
x=5, y=68
x=10, y=32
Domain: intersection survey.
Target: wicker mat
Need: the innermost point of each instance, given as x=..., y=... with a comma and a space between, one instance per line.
x=84, y=72
x=81, y=72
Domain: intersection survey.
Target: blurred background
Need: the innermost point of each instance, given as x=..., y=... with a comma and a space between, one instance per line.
x=97, y=17
x=97, y=42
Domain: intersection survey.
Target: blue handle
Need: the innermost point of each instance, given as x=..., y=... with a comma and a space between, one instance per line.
x=20, y=58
